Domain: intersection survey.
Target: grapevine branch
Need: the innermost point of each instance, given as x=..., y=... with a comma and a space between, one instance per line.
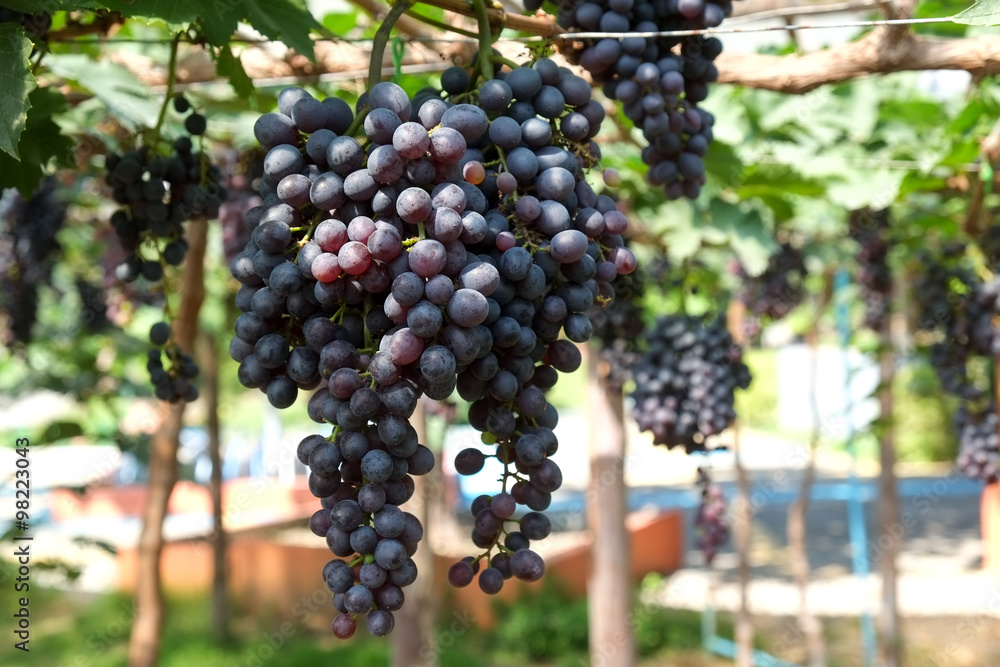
x=876, y=53
x=381, y=39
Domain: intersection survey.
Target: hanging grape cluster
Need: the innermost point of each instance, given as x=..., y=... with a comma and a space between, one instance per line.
x=710, y=521
x=957, y=305
x=685, y=381
x=28, y=250
x=157, y=195
x=448, y=247
x=35, y=23
x=779, y=289
x=618, y=329
x=659, y=80
x=871, y=231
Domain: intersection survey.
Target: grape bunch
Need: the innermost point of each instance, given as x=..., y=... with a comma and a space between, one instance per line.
x=424, y=246
x=685, y=381
x=241, y=170
x=979, y=443
x=36, y=23
x=28, y=250
x=157, y=195
x=780, y=288
x=659, y=80
x=871, y=231
x=710, y=520
x=618, y=329
x=959, y=308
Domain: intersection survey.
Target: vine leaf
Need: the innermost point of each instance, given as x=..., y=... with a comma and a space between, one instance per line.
x=16, y=82
x=984, y=12
x=41, y=142
x=229, y=65
x=116, y=87
x=285, y=21
x=747, y=234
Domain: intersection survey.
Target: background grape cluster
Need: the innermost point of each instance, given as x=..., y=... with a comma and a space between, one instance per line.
x=28, y=250
x=157, y=195
x=960, y=308
x=779, y=289
x=447, y=248
x=36, y=24
x=659, y=80
x=710, y=521
x=685, y=381
x=871, y=231
x=618, y=329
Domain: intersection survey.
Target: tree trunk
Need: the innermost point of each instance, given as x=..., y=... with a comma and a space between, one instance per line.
x=891, y=534
x=413, y=635
x=810, y=625
x=144, y=642
x=743, y=515
x=210, y=390
x=612, y=642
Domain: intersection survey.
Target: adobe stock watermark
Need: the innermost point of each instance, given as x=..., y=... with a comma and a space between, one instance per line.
x=271, y=642
x=460, y=623
x=98, y=643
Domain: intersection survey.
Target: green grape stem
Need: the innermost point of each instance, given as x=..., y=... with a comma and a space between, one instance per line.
x=485, y=40
x=381, y=39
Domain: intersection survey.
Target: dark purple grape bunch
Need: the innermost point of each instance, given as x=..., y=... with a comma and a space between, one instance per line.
x=711, y=524
x=979, y=443
x=959, y=308
x=28, y=250
x=871, y=231
x=415, y=247
x=157, y=194
x=170, y=370
x=780, y=288
x=660, y=81
x=618, y=329
x=241, y=172
x=686, y=381
x=37, y=24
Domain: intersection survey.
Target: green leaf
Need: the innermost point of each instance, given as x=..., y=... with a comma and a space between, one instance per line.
x=41, y=142
x=176, y=13
x=220, y=22
x=124, y=95
x=60, y=430
x=16, y=82
x=340, y=23
x=984, y=12
x=231, y=67
x=52, y=6
x=283, y=21
x=746, y=233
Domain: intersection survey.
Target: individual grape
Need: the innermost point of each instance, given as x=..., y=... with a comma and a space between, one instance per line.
x=159, y=334
x=195, y=124
x=473, y=172
x=491, y=581
x=461, y=574
x=469, y=461
x=527, y=565
x=343, y=626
